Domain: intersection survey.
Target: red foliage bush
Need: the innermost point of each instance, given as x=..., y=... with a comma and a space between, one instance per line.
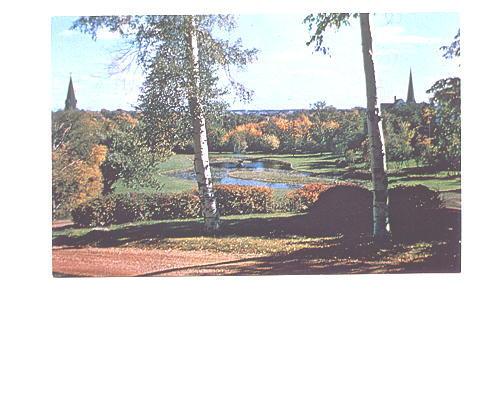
x=300, y=200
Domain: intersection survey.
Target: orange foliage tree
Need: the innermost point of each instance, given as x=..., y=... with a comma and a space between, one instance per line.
x=294, y=134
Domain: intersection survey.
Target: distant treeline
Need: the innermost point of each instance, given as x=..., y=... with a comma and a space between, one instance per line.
x=93, y=150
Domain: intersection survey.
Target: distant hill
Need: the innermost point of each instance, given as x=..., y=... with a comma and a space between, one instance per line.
x=264, y=112
x=280, y=111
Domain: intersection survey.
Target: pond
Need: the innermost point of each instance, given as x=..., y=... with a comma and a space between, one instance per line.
x=221, y=173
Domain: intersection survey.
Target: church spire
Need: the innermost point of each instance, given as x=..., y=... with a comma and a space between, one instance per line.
x=410, y=94
x=71, y=101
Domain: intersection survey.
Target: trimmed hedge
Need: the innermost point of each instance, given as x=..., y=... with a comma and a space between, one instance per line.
x=124, y=208
x=173, y=206
x=237, y=200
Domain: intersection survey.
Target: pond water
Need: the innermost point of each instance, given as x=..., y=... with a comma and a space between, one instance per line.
x=221, y=171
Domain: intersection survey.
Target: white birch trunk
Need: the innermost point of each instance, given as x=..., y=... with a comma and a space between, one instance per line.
x=381, y=229
x=201, y=162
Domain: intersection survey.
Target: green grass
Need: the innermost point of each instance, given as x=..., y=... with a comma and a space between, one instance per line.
x=439, y=181
x=276, y=176
x=321, y=167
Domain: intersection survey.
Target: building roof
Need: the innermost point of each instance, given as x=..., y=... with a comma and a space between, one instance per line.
x=410, y=93
x=71, y=101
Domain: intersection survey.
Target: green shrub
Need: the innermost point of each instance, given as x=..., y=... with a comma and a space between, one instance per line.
x=342, y=208
x=413, y=211
x=235, y=199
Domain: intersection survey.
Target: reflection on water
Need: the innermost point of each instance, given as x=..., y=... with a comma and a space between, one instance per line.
x=238, y=181
x=221, y=170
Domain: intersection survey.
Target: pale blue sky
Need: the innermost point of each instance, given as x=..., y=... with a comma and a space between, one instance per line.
x=287, y=73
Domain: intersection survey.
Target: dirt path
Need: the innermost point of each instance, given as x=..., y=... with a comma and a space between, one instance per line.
x=135, y=261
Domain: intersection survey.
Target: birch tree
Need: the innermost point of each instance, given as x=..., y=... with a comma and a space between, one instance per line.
x=183, y=59
x=200, y=144
x=317, y=25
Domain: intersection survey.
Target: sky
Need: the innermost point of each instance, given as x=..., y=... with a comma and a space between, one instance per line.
x=287, y=74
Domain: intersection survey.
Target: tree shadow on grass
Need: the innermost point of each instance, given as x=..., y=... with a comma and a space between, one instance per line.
x=280, y=227
x=328, y=165
x=344, y=256
x=425, y=170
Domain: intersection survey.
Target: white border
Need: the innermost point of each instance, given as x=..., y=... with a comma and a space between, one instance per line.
x=299, y=339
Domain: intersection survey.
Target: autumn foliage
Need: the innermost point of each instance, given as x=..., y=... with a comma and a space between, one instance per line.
x=76, y=180
x=253, y=137
x=277, y=133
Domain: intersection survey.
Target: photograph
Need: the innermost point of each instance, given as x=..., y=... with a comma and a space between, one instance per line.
x=256, y=144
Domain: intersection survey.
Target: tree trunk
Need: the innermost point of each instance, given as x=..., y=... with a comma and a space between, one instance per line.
x=201, y=162
x=381, y=229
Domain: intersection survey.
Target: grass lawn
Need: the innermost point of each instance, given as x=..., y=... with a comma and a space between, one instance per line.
x=167, y=182
x=321, y=168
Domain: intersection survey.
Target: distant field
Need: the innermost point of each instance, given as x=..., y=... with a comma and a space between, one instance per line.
x=322, y=168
